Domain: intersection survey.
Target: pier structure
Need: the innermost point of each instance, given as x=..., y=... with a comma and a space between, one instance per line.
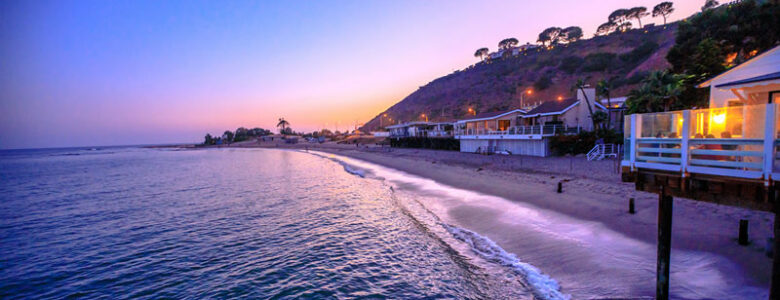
x=725, y=155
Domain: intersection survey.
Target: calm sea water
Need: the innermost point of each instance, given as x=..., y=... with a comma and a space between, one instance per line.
x=150, y=223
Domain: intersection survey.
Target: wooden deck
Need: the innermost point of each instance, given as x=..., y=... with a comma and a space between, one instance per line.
x=726, y=156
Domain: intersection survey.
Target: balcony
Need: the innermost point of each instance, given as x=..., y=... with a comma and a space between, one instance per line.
x=516, y=132
x=732, y=142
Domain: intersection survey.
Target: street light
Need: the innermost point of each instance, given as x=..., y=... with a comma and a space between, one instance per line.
x=424, y=117
x=472, y=112
x=522, y=96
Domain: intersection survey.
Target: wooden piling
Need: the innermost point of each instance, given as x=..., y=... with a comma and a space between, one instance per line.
x=774, y=290
x=743, y=232
x=631, y=208
x=664, y=244
x=560, y=187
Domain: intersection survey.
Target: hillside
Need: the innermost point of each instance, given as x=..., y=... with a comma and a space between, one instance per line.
x=624, y=58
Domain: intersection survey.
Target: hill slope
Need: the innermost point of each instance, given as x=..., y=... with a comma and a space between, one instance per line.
x=623, y=58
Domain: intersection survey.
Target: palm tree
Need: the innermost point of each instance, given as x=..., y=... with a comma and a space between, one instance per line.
x=283, y=124
x=580, y=85
x=602, y=90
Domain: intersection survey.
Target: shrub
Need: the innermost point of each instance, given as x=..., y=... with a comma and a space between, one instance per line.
x=582, y=142
x=542, y=83
x=596, y=62
x=570, y=64
x=639, y=53
x=426, y=143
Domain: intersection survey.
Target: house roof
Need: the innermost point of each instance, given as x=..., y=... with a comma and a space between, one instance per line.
x=553, y=107
x=417, y=123
x=767, y=53
x=765, y=77
x=491, y=115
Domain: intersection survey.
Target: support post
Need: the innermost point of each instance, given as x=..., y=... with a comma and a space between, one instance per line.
x=560, y=187
x=685, y=142
x=632, y=141
x=774, y=290
x=664, y=245
x=769, y=142
x=631, y=208
x=743, y=232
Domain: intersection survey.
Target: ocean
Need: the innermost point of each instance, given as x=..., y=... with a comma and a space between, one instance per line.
x=132, y=222
x=124, y=222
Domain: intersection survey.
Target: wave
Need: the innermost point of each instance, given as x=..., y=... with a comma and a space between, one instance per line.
x=543, y=286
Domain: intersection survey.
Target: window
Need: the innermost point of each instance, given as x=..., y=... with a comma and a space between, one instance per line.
x=503, y=125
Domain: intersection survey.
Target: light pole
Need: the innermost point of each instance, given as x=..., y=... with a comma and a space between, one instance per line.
x=522, y=97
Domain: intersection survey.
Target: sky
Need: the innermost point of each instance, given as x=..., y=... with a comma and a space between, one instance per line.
x=94, y=73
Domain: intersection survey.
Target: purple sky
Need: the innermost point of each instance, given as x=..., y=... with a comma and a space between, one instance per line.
x=78, y=73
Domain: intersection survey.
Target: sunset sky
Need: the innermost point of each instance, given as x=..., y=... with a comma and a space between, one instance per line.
x=88, y=73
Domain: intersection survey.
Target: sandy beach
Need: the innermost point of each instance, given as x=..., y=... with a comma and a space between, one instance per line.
x=592, y=192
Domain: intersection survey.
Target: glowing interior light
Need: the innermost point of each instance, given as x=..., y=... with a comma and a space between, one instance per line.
x=719, y=118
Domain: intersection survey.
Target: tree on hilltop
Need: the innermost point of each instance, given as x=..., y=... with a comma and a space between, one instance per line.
x=637, y=13
x=481, y=53
x=709, y=4
x=507, y=43
x=663, y=9
x=550, y=36
x=606, y=28
x=621, y=18
x=571, y=34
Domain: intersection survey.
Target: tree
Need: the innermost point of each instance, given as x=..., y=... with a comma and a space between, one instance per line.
x=571, y=34
x=602, y=90
x=637, y=13
x=663, y=9
x=621, y=18
x=282, y=124
x=606, y=28
x=208, y=140
x=580, y=85
x=507, y=43
x=241, y=134
x=709, y=4
x=550, y=36
x=710, y=42
x=228, y=136
x=481, y=53
x=659, y=91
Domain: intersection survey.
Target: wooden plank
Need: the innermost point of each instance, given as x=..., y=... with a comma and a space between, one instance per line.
x=726, y=152
x=672, y=160
x=727, y=164
x=727, y=141
x=660, y=150
x=726, y=172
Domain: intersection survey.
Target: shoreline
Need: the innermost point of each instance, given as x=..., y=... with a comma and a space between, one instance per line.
x=592, y=191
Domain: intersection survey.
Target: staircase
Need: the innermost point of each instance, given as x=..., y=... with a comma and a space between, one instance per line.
x=600, y=151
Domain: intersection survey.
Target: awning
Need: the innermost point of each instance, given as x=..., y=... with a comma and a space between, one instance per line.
x=767, y=79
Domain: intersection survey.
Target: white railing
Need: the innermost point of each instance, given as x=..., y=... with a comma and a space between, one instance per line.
x=600, y=151
x=545, y=130
x=686, y=142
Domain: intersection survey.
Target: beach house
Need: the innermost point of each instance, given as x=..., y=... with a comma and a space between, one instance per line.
x=420, y=129
x=735, y=136
x=527, y=132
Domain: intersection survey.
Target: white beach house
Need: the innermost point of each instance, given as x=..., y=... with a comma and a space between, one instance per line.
x=420, y=129
x=526, y=132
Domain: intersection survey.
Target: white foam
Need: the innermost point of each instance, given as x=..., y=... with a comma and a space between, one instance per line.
x=543, y=287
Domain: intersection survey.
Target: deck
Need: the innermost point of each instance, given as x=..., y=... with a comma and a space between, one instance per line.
x=720, y=155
